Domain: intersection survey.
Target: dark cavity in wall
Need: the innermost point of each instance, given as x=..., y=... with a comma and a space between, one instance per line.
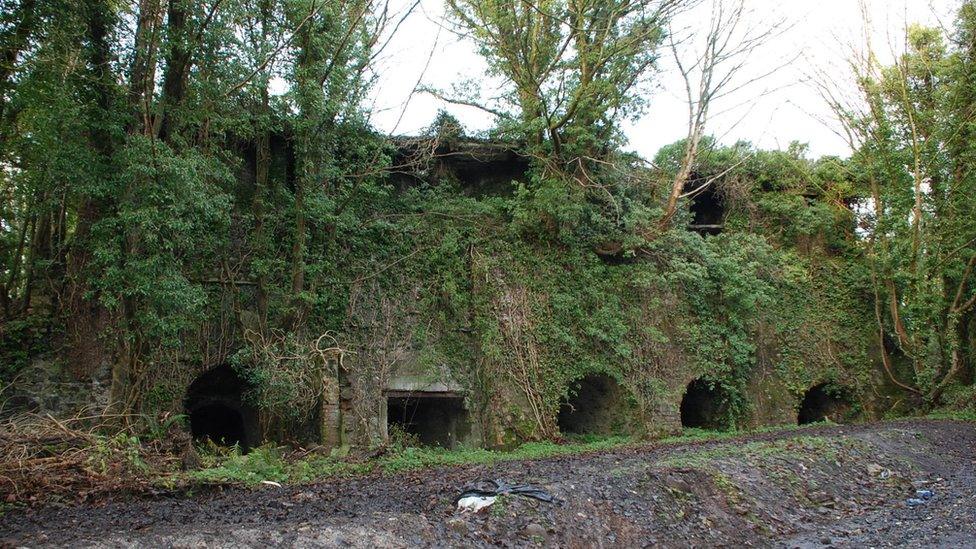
x=217, y=411
x=821, y=403
x=432, y=419
x=707, y=210
x=596, y=406
x=704, y=406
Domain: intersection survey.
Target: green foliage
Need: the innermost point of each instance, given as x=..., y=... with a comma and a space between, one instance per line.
x=121, y=451
x=159, y=428
x=149, y=255
x=287, y=375
x=726, y=296
x=21, y=341
x=572, y=70
x=915, y=164
x=263, y=463
x=960, y=403
x=446, y=128
x=207, y=222
x=269, y=463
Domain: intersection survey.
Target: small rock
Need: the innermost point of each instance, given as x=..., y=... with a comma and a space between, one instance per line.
x=819, y=497
x=677, y=485
x=457, y=525
x=826, y=540
x=533, y=530
x=874, y=469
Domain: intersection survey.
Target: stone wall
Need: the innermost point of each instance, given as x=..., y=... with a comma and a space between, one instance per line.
x=47, y=387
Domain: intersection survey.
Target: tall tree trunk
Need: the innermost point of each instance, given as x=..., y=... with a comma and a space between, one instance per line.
x=298, y=244
x=142, y=72
x=85, y=317
x=955, y=367
x=10, y=283
x=262, y=170
x=11, y=44
x=39, y=252
x=176, y=75
x=681, y=178
x=307, y=160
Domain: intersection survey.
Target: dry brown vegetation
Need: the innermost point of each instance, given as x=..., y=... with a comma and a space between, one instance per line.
x=43, y=459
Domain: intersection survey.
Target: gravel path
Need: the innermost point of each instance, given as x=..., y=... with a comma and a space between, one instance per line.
x=842, y=486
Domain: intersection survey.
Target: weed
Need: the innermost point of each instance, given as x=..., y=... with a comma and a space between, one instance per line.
x=958, y=415
x=733, y=494
x=500, y=507
x=156, y=429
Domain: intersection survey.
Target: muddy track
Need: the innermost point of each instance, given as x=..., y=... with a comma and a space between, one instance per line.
x=821, y=486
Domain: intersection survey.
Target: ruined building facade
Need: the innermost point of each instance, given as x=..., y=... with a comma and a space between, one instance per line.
x=441, y=402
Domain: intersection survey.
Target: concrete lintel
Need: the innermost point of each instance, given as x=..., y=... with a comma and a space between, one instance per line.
x=416, y=384
x=423, y=394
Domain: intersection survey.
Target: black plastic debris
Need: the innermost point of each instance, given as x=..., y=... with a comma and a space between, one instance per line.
x=493, y=488
x=921, y=498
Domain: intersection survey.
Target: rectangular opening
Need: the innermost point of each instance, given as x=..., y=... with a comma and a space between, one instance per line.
x=708, y=212
x=430, y=419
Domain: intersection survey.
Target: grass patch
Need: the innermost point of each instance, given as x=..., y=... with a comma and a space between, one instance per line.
x=789, y=448
x=706, y=435
x=272, y=464
x=959, y=415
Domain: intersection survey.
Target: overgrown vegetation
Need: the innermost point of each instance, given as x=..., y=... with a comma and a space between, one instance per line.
x=911, y=130
x=271, y=463
x=165, y=213
x=45, y=460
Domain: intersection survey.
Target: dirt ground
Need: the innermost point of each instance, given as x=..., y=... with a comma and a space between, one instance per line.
x=840, y=486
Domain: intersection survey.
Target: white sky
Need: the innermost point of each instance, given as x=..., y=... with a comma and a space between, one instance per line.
x=772, y=113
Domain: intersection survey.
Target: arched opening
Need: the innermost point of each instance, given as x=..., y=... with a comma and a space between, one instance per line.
x=823, y=403
x=704, y=406
x=431, y=419
x=596, y=406
x=216, y=409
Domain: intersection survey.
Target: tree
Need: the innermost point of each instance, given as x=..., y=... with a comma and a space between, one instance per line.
x=574, y=70
x=140, y=187
x=711, y=65
x=910, y=128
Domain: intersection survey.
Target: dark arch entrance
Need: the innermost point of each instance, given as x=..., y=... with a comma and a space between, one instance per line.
x=823, y=402
x=217, y=411
x=704, y=406
x=597, y=405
